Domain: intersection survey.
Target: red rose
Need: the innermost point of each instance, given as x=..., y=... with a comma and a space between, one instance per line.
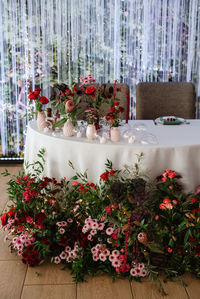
x=68, y=90
x=112, y=110
x=4, y=219
x=11, y=213
x=116, y=103
x=62, y=94
x=193, y=199
x=172, y=174
x=32, y=96
x=112, y=171
x=121, y=109
x=44, y=100
x=104, y=176
x=90, y=90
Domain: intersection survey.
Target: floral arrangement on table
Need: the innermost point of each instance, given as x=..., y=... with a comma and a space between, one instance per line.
x=38, y=99
x=113, y=114
x=125, y=225
x=82, y=97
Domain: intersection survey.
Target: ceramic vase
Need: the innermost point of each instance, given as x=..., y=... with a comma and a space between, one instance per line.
x=68, y=129
x=115, y=134
x=41, y=121
x=90, y=132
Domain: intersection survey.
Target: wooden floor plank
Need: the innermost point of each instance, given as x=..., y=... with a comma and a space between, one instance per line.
x=5, y=254
x=193, y=286
x=3, y=183
x=102, y=287
x=12, y=274
x=49, y=292
x=48, y=273
x=149, y=290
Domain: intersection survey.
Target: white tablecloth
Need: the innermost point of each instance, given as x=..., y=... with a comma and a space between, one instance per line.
x=178, y=148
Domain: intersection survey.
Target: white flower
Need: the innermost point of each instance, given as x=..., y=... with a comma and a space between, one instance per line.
x=94, y=225
x=116, y=263
x=95, y=258
x=112, y=258
x=63, y=255
x=67, y=249
x=133, y=272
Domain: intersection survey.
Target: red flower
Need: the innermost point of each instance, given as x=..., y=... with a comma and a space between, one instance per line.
x=32, y=96
x=68, y=90
x=11, y=213
x=4, y=219
x=172, y=174
x=62, y=94
x=112, y=171
x=197, y=250
x=44, y=100
x=90, y=90
x=193, y=199
x=104, y=176
x=29, y=219
x=115, y=236
x=116, y=103
x=169, y=250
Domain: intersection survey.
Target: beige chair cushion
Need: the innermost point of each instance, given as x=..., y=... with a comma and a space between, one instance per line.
x=165, y=98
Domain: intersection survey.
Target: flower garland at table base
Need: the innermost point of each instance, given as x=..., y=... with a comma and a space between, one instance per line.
x=124, y=225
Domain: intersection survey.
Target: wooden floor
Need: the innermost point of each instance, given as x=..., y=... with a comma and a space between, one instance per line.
x=49, y=281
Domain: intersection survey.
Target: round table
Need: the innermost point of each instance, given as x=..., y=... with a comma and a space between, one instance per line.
x=178, y=148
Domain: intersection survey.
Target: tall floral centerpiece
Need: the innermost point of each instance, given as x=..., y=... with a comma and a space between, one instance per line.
x=69, y=107
x=39, y=102
x=113, y=117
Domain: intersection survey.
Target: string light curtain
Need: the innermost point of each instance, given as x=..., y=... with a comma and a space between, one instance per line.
x=43, y=42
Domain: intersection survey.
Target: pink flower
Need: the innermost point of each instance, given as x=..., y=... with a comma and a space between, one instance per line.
x=57, y=260
x=168, y=206
x=67, y=249
x=94, y=225
x=164, y=179
x=59, y=223
x=102, y=257
x=106, y=252
x=101, y=226
x=109, y=231
x=156, y=217
x=133, y=272
x=64, y=223
x=29, y=219
x=168, y=170
x=143, y=273
x=175, y=202
x=69, y=220
x=112, y=258
x=109, y=241
x=62, y=231
x=95, y=258
x=63, y=255
x=162, y=206
x=116, y=253
x=93, y=232
x=93, y=250
x=116, y=263
x=89, y=237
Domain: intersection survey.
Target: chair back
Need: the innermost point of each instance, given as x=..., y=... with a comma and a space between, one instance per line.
x=122, y=94
x=154, y=99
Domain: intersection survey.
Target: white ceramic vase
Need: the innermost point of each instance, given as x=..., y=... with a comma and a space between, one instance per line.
x=114, y=134
x=41, y=121
x=68, y=129
x=90, y=132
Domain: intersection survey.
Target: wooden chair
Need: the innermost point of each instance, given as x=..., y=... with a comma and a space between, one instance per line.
x=165, y=98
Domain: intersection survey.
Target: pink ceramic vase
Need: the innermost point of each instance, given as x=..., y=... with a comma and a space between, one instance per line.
x=115, y=134
x=41, y=121
x=68, y=129
x=90, y=132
